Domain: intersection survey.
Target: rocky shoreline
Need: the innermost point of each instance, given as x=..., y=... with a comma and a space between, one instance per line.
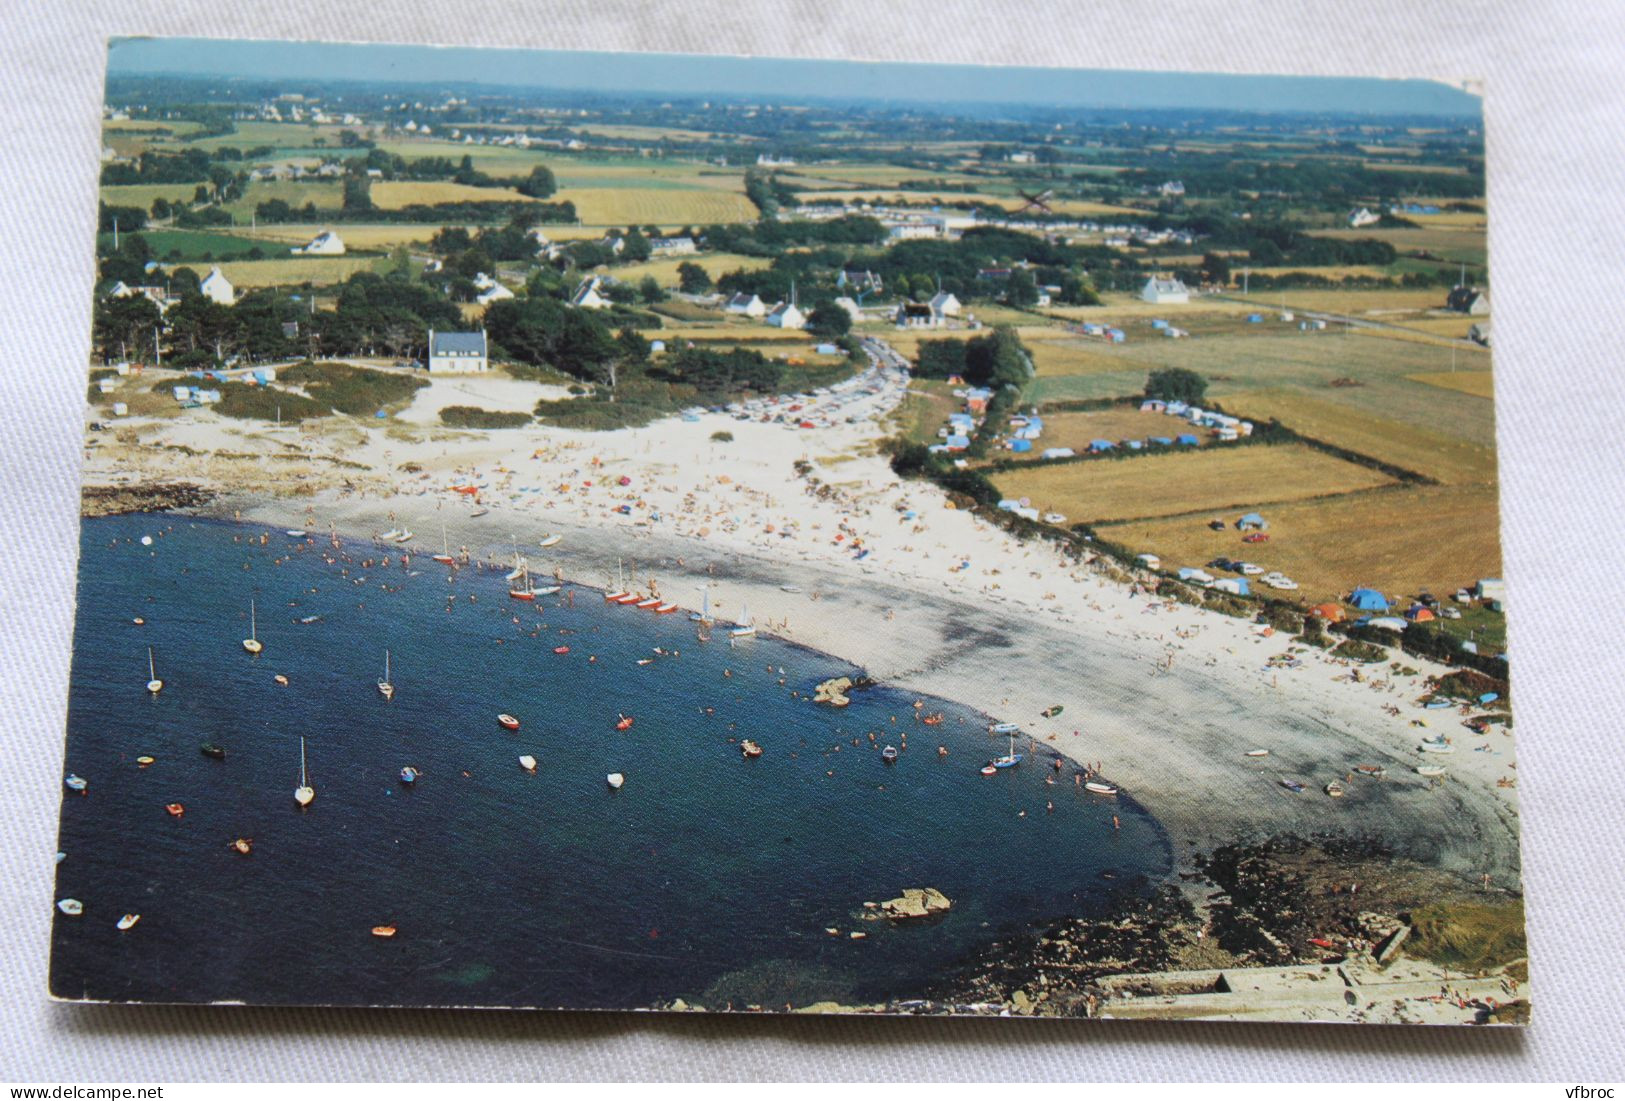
x=142, y=497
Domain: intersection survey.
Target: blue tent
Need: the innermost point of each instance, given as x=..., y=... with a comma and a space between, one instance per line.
x=1021, y=445
x=1254, y=318
x=1100, y=445
x=960, y=442
x=1252, y=520
x=1163, y=441
x=1189, y=440
x=1133, y=445
x=1368, y=600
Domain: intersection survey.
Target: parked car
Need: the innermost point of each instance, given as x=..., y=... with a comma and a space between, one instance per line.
x=1255, y=537
x=1249, y=569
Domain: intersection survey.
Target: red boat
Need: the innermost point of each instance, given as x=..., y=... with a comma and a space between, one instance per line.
x=175, y=809
x=1321, y=942
x=628, y=598
x=665, y=609
x=625, y=723
x=521, y=594
x=613, y=598
x=561, y=649
x=507, y=722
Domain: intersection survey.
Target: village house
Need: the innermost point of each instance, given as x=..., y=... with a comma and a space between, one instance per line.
x=1165, y=291
x=1358, y=219
x=1468, y=300
x=1021, y=156
x=325, y=243
x=672, y=246
x=217, y=287
x=917, y=315
x=457, y=353
x=496, y=292
x=785, y=315
x=945, y=305
x=747, y=304
x=587, y=297
x=860, y=281
x=1172, y=188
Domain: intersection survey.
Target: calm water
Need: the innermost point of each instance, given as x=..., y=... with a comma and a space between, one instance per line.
x=707, y=876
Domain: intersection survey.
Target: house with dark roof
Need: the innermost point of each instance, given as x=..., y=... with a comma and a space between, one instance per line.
x=1468, y=300
x=457, y=353
x=1165, y=290
x=748, y=304
x=860, y=280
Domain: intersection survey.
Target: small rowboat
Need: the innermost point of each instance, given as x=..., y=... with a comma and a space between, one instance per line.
x=613, y=598
x=295, y=533
x=507, y=721
x=1052, y=711
x=648, y=602
x=244, y=845
x=646, y=661
x=615, y=780
x=1099, y=788
x=209, y=749
x=175, y=809
x=561, y=649
x=665, y=609
x=1440, y=746
x=143, y=762
x=521, y=594
x=549, y=541
x=1335, y=790
x=527, y=762
x=548, y=590
x=76, y=783
x=383, y=931
x=889, y=755
x=625, y=723
x=628, y=598
x=1291, y=785
x=71, y=906
x=1430, y=771
x=1004, y=728
x=280, y=679
x=932, y=720
x=409, y=775
x=1376, y=772
x=987, y=770
x=1321, y=942
x=750, y=748
x=1258, y=753
x=128, y=921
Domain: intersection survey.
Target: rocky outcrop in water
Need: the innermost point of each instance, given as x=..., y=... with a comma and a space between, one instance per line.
x=916, y=902
x=146, y=497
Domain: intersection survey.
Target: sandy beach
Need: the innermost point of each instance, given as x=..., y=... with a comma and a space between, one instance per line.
x=1167, y=699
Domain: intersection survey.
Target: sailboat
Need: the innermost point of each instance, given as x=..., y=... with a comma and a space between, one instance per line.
x=1010, y=759
x=251, y=643
x=704, y=614
x=304, y=793
x=154, y=685
x=526, y=593
x=746, y=626
x=518, y=570
x=386, y=687
x=444, y=557
x=620, y=587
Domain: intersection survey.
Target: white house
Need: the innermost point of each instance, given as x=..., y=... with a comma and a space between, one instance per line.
x=860, y=279
x=853, y=310
x=748, y=304
x=1021, y=156
x=945, y=305
x=672, y=246
x=1165, y=291
x=457, y=353
x=218, y=287
x=1363, y=217
x=786, y=315
x=587, y=297
x=1172, y=188
x=496, y=292
x=325, y=243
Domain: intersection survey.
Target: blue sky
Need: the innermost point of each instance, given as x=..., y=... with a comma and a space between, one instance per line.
x=784, y=80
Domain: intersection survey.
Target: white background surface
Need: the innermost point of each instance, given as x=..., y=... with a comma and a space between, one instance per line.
x=1553, y=117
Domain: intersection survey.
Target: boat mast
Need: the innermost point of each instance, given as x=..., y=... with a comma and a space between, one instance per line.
x=152, y=674
x=304, y=780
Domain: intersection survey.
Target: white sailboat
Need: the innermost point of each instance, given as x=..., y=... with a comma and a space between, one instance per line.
x=704, y=614
x=154, y=685
x=519, y=563
x=746, y=626
x=386, y=688
x=252, y=643
x=304, y=793
x=444, y=557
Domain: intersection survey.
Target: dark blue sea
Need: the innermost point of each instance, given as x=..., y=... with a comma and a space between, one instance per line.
x=707, y=877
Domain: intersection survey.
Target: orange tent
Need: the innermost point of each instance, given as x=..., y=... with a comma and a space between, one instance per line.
x=1331, y=613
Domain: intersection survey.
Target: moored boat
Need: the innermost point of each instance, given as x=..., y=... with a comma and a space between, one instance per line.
x=1376, y=772
x=143, y=761
x=507, y=721
x=76, y=783
x=1294, y=786
x=1334, y=789
x=252, y=643
x=383, y=932
x=409, y=775
x=648, y=602
x=750, y=748
x=615, y=780
x=1053, y=710
x=889, y=754
x=623, y=722
x=304, y=793
x=386, y=687
x=71, y=906
x=1430, y=771
x=987, y=770
x=1257, y=753
x=212, y=751
x=1004, y=728
x=244, y=845
x=175, y=810
x=548, y=541
x=128, y=921
x=154, y=685
x=665, y=609
x=1440, y=746
x=1099, y=788
x=295, y=533
x=527, y=762
x=561, y=649
x=1010, y=760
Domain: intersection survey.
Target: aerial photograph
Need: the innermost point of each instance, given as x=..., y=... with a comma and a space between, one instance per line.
x=699, y=534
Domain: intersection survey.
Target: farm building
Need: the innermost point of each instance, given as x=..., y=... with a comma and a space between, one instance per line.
x=1468, y=300
x=1369, y=600
x=747, y=304
x=916, y=315
x=325, y=243
x=217, y=287
x=457, y=353
x=945, y=305
x=672, y=246
x=1479, y=333
x=786, y=315
x=1165, y=291
x=1359, y=219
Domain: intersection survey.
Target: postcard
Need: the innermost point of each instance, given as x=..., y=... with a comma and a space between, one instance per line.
x=723, y=534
